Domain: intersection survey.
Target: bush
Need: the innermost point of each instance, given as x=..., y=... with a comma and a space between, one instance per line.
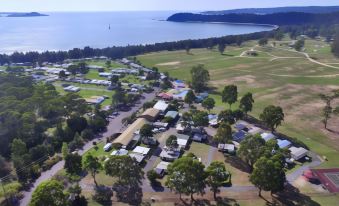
x=48, y=164
x=12, y=190
x=35, y=171
x=87, y=134
x=103, y=195
x=168, y=119
x=152, y=176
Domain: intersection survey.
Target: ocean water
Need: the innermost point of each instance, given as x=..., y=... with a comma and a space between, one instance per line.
x=63, y=31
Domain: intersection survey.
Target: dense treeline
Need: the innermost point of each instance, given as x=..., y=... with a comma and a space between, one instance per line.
x=335, y=46
x=120, y=52
x=35, y=120
x=305, y=9
x=290, y=18
x=311, y=30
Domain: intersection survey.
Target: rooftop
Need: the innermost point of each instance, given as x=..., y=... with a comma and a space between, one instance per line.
x=161, y=105
x=126, y=137
x=141, y=150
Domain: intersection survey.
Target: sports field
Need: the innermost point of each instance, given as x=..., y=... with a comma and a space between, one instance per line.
x=277, y=75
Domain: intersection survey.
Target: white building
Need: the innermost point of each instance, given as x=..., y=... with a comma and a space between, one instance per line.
x=141, y=150
x=298, y=152
x=161, y=105
x=72, y=89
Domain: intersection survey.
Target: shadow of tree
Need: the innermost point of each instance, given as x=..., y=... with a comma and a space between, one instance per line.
x=204, y=202
x=291, y=196
x=130, y=194
x=333, y=131
x=236, y=162
x=228, y=55
x=157, y=186
x=226, y=201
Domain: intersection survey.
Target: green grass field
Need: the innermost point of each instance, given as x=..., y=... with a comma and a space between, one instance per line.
x=94, y=74
x=102, y=63
x=88, y=91
x=276, y=76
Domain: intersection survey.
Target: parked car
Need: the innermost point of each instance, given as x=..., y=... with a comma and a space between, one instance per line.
x=162, y=129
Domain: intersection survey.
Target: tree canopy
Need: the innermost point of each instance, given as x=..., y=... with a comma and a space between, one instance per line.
x=268, y=175
x=299, y=44
x=186, y=176
x=263, y=41
x=221, y=48
x=246, y=103
x=200, y=118
x=92, y=165
x=251, y=149
x=272, y=116
x=224, y=133
x=200, y=78
x=217, y=176
x=335, y=45
x=146, y=131
x=230, y=94
x=208, y=103
x=73, y=164
x=126, y=169
x=227, y=116
x=172, y=142
x=49, y=193
x=190, y=97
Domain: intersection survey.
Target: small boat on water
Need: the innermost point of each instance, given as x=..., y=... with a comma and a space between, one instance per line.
x=109, y=27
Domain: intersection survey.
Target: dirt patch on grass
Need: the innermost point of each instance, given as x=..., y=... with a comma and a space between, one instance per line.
x=240, y=66
x=304, y=186
x=248, y=79
x=169, y=63
x=303, y=107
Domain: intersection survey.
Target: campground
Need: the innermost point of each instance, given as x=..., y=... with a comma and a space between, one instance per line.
x=291, y=81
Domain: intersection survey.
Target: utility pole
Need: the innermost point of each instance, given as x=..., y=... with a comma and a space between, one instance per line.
x=3, y=188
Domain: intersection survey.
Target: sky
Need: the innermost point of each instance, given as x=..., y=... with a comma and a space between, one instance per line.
x=150, y=5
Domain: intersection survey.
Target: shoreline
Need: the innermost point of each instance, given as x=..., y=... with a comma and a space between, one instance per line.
x=273, y=27
x=230, y=23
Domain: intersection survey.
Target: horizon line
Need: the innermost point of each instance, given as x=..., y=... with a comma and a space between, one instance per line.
x=170, y=10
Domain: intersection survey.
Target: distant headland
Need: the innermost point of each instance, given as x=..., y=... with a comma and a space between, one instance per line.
x=21, y=14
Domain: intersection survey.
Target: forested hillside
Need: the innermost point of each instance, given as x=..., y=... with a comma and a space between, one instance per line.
x=291, y=18
x=307, y=9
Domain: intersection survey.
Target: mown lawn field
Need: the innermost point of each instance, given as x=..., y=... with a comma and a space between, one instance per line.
x=94, y=74
x=278, y=75
x=88, y=91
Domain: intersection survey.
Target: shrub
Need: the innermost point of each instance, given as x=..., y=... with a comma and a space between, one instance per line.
x=48, y=164
x=152, y=176
x=103, y=195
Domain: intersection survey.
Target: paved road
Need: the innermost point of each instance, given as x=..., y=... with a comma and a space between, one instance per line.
x=316, y=161
x=113, y=127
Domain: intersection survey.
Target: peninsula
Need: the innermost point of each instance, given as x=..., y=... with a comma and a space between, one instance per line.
x=16, y=14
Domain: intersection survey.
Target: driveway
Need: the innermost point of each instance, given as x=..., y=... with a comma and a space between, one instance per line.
x=113, y=127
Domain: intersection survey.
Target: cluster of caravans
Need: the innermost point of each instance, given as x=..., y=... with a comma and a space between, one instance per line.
x=243, y=129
